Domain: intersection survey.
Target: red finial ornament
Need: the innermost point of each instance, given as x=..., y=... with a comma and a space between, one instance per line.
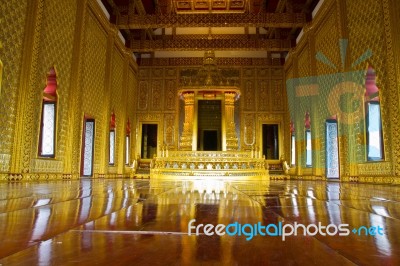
x=112, y=122
x=128, y=127
x=371, y=90
x=307, y=122
x=50, y=92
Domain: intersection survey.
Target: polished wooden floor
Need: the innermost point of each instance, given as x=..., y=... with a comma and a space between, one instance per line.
x=142, y=222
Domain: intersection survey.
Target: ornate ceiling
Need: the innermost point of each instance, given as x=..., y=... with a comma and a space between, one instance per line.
x=182, y=28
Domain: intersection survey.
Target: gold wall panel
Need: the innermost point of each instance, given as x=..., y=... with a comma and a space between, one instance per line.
x=248, y=95
x=366, y=25
x=263, y=96
x=157, y=97
x=94, y=83
x=304, y=62
x=57, y=52
x=169, y=130
x=170, y=94
x=118, y=99
x=54, y=38
x=278, y=96
x=143, y=95
x=257, y=86
x=13, y=18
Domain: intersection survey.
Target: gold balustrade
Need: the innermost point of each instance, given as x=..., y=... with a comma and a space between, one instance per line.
x=205, y=164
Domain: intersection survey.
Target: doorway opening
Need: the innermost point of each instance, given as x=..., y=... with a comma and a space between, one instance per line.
x=210, y=140
x=270, y=141
x=149, y=141
x=209, y=123
x=87, y=153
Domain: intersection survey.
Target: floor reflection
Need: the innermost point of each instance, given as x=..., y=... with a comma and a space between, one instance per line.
x=142, y=221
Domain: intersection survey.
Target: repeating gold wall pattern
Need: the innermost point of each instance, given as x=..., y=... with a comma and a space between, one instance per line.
x=118, y=106
x=13, y=15
x=57, y=52
x=143, y=95
x=257, y=84
x=94, y=82
x=51, y=31
x=51, y=39
x=368, y=28
x=170, y=95
x=390, y=14
x=22, y=152
x=263, y=96
x=157, y=96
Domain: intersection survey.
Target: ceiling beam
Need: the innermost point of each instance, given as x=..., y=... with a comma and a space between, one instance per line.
x=273, y=45
x=273, y=20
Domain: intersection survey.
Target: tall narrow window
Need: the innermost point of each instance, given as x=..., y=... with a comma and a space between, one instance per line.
x=331, y=148
x=128, y=142
x=1, y=74
x=292, y=144
x=111, y=160
x=47, y=140
x=307, y=125
x=373, y=118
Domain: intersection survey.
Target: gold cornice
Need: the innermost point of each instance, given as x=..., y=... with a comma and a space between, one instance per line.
x=101, y=18
x=243, y=43
x=312, y=27
x=323, y=12
x=274, y=20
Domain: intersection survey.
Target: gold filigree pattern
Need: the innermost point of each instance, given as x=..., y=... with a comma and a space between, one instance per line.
x=11, y=37
x=94, y=82
x=274, y=20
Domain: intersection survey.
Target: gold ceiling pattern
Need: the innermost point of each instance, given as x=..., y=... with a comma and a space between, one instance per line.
x=212, y=6
x=149, y=26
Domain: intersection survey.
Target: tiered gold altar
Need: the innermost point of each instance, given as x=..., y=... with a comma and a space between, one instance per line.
x=208, y=144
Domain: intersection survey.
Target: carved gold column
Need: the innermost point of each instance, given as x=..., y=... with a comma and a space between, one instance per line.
x=231, y=138
x=187, y=134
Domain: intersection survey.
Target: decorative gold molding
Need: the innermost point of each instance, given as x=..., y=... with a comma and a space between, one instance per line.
x=270, y=20
x=244, y=43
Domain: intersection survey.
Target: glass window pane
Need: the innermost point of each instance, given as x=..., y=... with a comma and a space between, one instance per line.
x=332, y=150
x=88, y=149
x=112, y=147
x=48, y=129
x=293, y=151
x=127, y=146
x=374, y=134
x=308, y=149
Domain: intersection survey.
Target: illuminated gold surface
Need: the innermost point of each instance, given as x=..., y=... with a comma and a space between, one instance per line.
x=142, y=222
x=218, y=164
x=344, y=20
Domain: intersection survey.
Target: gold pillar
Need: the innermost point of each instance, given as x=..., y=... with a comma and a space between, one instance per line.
x=186, y=140
x=231, y=138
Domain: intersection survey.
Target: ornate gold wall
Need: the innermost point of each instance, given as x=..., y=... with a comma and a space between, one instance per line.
x=365, y=25
x=94, y=77
x=262, y=100
x=12, y=32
